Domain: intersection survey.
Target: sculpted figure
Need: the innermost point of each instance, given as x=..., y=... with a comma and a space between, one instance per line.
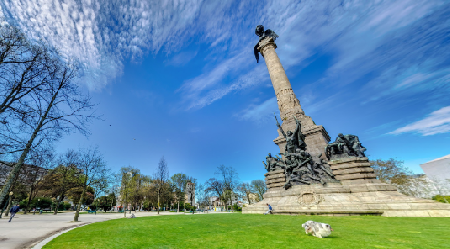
x=345, y=146
x=259, y=31
x=302, y=168
x=273, y=163
x=294, y=140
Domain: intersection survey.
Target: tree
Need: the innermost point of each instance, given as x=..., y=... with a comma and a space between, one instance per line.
x=179, y=181
x=393, y=171
x=246, y=190
x=230, y=181
x=40, y=162
x=160, y=179
x=101, y=184
x=94, y=169
x=126, y=176
x=56, y=107
x=214, y=186
x=260, y=187
x=62, y=178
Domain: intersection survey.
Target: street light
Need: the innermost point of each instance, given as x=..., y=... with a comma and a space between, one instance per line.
x=39, y=206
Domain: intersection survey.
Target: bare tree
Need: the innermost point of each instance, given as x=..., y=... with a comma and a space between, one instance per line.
x=216, y=187
x=230, y=181
x=56, y=106
x=260, y=187
x=161, y=178
x=93, y=168
x=246, y=190
x=59, y=110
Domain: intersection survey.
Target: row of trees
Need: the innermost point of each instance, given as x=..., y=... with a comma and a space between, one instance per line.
x=80, y=176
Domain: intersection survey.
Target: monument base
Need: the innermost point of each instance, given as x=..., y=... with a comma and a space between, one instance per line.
x=359, y=193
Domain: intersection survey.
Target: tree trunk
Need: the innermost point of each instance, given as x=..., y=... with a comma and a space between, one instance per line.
x=77, y=213
x=178, y=207
x=58, y=200
x=158, y=202
x=19, y=164
x=28, y=203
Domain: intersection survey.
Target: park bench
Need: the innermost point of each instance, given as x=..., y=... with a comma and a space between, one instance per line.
x=91, y=211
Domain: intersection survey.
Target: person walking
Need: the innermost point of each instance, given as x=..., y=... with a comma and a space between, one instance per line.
x=13, y=211
x=270, y=209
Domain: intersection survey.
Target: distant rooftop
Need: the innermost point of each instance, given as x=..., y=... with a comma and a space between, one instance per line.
x=437, y=159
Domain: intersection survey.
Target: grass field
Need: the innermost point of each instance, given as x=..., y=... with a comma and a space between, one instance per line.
x=257, y=231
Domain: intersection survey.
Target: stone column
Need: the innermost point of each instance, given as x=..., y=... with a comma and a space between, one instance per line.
x=316, y=137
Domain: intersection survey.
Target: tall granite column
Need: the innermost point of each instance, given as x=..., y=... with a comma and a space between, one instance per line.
x=316, y=137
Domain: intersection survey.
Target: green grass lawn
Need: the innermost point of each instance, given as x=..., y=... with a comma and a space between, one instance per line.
x=257, y=231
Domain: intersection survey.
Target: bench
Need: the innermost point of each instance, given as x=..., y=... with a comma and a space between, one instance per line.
x=90, y=211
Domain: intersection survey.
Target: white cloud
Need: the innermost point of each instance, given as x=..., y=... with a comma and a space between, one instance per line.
x=435, y=123
x=392, y=38
x=261, y=112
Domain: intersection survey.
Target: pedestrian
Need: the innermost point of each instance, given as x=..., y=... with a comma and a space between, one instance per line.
x=13, y=211
x=270, y=209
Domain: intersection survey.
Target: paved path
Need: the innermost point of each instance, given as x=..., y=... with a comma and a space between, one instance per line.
x=26, y=230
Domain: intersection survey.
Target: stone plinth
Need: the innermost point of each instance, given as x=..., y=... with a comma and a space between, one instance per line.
x=275, y=179
x=336, y=199
x=353, y=170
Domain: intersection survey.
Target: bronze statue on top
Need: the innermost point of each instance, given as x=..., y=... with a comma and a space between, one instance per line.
x=345, y=146
x=262, y=34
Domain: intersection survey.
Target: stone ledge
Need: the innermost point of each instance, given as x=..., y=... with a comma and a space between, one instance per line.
x=347, y=160
x=330, y=212
x=353, y=171
x=359, y=181
x=355, y=176
x=275, y=176
x=274, y=185
x=274, y=172
x=283, y=180
x=349, y=166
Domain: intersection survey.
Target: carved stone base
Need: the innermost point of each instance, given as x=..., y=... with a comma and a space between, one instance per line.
x=275, y=179
x=357, y=198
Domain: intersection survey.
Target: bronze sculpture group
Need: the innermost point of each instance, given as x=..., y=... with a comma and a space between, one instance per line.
x=299, y=166
x=303, y=169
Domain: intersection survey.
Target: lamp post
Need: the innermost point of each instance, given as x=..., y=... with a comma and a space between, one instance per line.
x=39, y=206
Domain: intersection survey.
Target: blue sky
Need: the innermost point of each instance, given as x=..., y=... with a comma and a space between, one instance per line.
x=178, y=78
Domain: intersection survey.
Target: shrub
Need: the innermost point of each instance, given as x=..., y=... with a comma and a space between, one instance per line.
x=440, y=198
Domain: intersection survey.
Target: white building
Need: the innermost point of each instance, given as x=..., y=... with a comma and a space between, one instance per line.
x=438, y=171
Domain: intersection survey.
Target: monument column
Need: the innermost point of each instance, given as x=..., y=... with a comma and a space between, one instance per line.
x=316, y=137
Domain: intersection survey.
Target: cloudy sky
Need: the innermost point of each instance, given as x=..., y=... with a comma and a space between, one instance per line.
x=178, y=78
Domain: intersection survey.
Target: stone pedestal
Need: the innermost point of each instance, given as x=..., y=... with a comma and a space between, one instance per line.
x=358, y=193
x=275, y=179
x=353, y=170
x=316, y=137
x=335, y=199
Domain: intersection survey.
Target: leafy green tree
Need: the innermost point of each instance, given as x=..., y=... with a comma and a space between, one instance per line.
x=127, y=176
x=63, y=178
